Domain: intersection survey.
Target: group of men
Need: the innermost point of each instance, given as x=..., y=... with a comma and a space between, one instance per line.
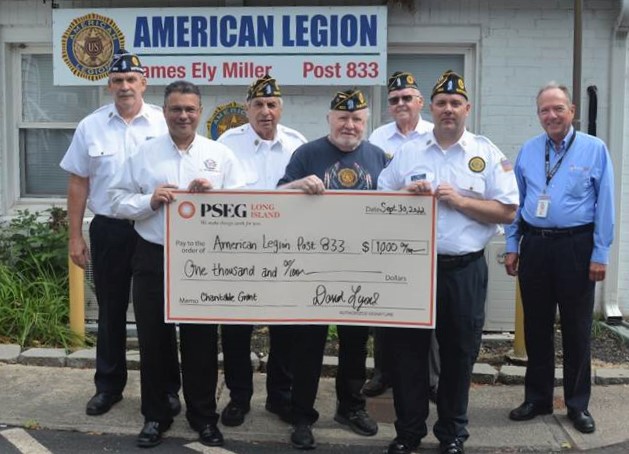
x=127, y=159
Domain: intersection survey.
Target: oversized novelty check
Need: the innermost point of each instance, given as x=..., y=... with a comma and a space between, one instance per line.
x=284, y=257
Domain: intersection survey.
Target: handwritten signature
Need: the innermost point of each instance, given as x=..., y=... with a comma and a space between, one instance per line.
x=354, y=298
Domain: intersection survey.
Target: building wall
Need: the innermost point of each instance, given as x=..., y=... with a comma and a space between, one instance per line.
x=517, y=46
x=623, y=217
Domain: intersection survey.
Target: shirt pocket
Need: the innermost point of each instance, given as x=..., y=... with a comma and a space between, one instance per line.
x=251, y=176
x=98, y=151
x=471, y=185
x=579, y=181
x=102, y=160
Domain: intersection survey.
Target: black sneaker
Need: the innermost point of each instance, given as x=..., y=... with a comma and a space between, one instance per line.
x=302, y=437
x=376, y=386
x=359, y=421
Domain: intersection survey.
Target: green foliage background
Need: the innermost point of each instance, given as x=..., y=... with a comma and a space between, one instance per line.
x=34, y=306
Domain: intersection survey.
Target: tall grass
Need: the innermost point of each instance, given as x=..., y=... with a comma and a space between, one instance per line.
x=34, y=306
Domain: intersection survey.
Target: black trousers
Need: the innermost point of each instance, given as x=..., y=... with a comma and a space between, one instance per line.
x=306, y=361
x=236, y=344
x=554, y=272
x=158, y=347
x=461, y=293
x=407, y=363
x=379, y=354
x=112, y=244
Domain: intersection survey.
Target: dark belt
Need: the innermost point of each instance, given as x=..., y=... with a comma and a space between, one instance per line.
x=109, y=220
x=556, y=232
x=458, y=261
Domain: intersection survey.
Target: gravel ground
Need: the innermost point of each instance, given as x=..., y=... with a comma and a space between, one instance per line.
x=608, y=349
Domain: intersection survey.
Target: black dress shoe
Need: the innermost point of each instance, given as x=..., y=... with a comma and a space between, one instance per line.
x=151, y=434
x=234, y=414
x=210, y=435
x=529, y=410
x=582, y=421
x=454, y=447
x=282, y=410
x=302, y=437
x=376, y=386
x=174, y=404
x=398, y=447
x=101, y=403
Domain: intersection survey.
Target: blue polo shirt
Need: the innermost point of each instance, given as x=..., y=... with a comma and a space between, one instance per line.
x=580, y=192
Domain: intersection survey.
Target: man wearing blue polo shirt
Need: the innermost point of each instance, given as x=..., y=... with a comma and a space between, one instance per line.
x=558, y=246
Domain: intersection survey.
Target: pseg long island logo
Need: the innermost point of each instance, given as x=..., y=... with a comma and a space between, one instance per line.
x=226, y=116
x=89, y=44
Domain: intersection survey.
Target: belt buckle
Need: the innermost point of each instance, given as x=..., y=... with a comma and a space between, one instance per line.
x=547, y=233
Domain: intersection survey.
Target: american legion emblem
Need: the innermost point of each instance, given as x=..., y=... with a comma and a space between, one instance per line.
x=476, y=164
x=224, y=117
x=89, y=44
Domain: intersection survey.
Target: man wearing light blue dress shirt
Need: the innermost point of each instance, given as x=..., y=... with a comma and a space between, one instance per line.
x=558, y=246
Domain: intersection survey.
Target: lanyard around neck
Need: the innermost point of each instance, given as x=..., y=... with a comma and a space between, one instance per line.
x=550, y=173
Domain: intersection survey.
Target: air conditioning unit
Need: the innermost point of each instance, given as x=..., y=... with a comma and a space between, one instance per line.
x=500, y=303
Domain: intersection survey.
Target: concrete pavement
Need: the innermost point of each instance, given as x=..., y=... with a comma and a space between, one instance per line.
x=54, y=397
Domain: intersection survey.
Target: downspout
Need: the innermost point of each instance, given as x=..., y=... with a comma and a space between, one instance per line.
x=617, y=119
x=577, y=50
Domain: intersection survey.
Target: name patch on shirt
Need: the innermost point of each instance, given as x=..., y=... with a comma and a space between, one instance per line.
x=418, y=177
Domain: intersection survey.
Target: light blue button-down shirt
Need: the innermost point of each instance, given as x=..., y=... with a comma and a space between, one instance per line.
x=580, y=192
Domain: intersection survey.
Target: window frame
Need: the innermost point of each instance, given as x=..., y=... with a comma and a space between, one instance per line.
x=469, y=73
x=15, y=172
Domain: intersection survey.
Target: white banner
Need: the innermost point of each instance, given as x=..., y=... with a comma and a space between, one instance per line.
x=284, y=257
x=225, y=46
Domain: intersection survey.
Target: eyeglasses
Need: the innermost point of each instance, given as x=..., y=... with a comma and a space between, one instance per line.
x=180, y=110
x=393, y=101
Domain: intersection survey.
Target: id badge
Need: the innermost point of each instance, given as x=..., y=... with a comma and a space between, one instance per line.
x=543, y=204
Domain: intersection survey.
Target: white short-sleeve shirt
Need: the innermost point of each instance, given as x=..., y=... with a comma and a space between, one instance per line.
x=474, y=166
x=390, y=139
x=101, y=143
x=263, y=161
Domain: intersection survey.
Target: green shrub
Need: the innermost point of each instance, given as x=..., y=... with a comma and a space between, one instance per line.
x=30, y=243
x=34, y=306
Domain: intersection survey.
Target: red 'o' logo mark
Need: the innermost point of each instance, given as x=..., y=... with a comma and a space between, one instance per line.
x=186, y=210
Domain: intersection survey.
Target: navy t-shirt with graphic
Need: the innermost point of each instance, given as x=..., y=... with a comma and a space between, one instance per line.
x=357, y=169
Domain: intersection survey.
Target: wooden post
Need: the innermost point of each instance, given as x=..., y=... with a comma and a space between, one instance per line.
x=77, y=299
x=519, y=348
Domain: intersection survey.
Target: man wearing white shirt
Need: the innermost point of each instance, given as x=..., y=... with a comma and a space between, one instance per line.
x=405, y=105
x=179, y=160
x=476, y=191
x=263, y=147
x=101, y=143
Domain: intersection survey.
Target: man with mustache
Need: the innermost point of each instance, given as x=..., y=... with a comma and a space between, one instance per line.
x=101, y=143
x=341, y=160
